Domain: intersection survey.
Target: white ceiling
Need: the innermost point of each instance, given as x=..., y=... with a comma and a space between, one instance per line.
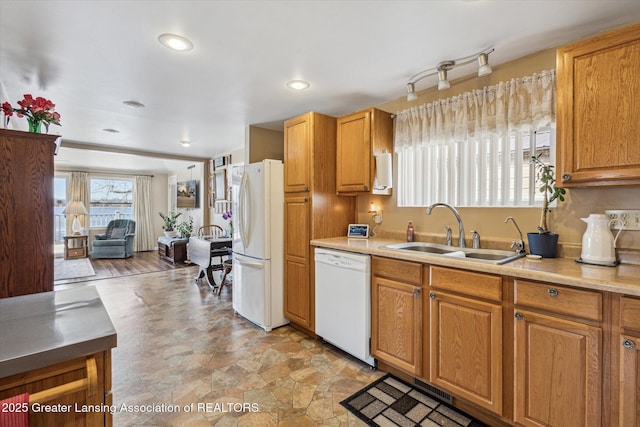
x=90, y=56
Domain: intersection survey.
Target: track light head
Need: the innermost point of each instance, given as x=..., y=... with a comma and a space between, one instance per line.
x=443, y=83
x=411, y=92
x=483, y=65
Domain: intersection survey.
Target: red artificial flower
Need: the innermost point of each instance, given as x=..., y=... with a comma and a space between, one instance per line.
x=38, y=110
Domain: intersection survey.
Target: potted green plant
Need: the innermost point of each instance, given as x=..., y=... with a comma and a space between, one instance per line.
x=544, y=242
x=170, y=220
x=186, y=228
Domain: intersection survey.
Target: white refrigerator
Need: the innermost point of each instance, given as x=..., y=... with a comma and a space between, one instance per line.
x=258, y=243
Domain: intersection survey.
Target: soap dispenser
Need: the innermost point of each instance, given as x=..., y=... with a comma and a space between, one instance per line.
x=410, y=232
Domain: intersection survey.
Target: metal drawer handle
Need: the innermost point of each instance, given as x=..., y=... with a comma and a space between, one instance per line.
x=416, y=292
x=626, y=343
x=432, y=295
x=553, y=292
x=519, y=316
x=566, y=177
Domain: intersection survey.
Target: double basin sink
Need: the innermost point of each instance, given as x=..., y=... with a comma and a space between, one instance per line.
x=488, y=256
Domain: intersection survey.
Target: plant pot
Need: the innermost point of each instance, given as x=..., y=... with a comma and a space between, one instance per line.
x=544, y=245
x=172, y=233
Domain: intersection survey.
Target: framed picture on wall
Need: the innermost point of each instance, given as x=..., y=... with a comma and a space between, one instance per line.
x=219, y=162
x=187, y=194
x=221, y=184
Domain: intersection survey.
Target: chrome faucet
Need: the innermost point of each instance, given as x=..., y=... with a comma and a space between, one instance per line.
x=448, y=239
x=476, y=239
x=461, y=241
x=518, y=245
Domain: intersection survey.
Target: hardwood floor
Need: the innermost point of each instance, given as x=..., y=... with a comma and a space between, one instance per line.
x=139, y=263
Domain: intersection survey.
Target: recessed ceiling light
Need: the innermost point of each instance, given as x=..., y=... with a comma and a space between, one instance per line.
x=110, y=130
x=175, y=42
x=133, y=104
x=185, y=143
x=298, y=84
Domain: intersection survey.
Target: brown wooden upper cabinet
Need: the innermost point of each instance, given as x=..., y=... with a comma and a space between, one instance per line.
x=598, y=95
x=297, y=154
x=361, y=136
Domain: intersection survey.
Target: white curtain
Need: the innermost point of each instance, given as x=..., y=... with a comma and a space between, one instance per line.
x=145, y=239
x=458, y=150
x=78, y=189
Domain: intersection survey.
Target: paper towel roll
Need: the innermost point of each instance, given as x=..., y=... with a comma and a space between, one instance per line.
x=384, y=177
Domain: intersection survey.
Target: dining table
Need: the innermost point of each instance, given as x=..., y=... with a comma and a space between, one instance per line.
x=209, y=253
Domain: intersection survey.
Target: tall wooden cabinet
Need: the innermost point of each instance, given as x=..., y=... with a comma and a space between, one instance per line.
x=26, y=212
x=313, y=210
x=598, y=101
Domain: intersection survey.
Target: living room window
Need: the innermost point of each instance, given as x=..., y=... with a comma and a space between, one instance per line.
x=111, y=198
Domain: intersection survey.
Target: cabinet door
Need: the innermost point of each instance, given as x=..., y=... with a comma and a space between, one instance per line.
x=598, y=108
x=558, y=372
x=396, y=324
x=297, y=285
x=466, y=348
x=629, y=381
x=354, y=154
x=297, y=154
x=26, y=213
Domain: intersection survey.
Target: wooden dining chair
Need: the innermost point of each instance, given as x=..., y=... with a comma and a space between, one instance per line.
x=210, y=230
x=222, y=253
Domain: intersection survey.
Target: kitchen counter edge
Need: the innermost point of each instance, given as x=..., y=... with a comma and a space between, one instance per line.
x=47, y=328
x=623, y=279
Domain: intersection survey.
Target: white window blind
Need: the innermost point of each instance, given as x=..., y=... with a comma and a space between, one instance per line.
x=475, y=149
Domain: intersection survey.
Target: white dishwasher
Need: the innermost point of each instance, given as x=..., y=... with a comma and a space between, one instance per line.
x=343, y=301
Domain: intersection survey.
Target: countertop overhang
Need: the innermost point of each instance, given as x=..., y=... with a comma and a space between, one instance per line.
x=623, y=279
x=42, y=329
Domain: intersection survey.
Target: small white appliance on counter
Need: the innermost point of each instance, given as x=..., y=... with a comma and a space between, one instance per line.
x=258, y=243
x=598, y=244
x=343, y=301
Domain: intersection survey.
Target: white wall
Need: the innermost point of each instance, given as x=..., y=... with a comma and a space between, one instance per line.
x=185, y=174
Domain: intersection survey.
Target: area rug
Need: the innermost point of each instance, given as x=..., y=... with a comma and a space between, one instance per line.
x=392, y=402
x=72, y=268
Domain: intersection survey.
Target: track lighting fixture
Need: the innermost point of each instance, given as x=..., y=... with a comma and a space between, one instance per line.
x=444, y=67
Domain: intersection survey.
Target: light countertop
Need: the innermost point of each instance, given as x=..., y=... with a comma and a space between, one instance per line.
x=624, y=279
x=42, y=329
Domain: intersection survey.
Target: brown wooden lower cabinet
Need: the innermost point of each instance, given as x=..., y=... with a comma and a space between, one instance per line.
x=628, y=375
x=558, y=371
x=396, y=318
x=72, y=393
x=510, y=351
x=466, y=348
x=299, y=290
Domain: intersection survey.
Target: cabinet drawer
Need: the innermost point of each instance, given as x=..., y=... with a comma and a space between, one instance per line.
x=77, y=252
x=547, y=296
x=630, y=312
x=467, y=282
x=403, y=271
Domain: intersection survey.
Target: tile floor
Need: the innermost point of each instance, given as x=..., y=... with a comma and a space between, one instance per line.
x=179, y=345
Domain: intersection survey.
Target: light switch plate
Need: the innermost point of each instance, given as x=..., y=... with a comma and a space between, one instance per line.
x=630, y=218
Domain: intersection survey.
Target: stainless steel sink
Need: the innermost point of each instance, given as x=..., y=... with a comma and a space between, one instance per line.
x=489, y=256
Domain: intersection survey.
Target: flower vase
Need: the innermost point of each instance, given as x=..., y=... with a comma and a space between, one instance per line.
x=34, y=126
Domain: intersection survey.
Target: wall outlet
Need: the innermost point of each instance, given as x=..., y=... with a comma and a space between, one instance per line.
x=377, y=219
x=630, y=219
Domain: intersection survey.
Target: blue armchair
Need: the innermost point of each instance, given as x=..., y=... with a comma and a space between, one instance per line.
x=117, y=240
